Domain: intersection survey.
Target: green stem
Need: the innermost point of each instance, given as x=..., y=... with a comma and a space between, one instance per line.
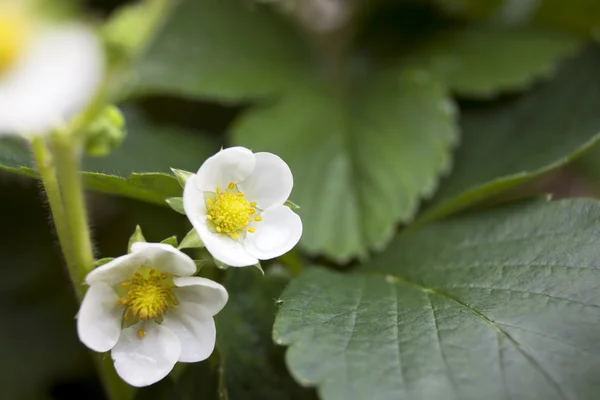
x=65, y=150
x=47, y=173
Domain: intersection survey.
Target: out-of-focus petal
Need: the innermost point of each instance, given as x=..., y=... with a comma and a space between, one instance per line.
x=53, y=80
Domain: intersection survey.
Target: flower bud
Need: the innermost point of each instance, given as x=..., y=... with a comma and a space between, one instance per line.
x=105, y=133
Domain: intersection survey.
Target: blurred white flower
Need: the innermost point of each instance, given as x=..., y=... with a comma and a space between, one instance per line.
x=236, y=204
x=49, y=72
x=150, y=311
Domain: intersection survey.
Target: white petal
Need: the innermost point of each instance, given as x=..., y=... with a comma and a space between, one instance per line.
x=164, y=257
x=99, y=320
x=118, y=270
x=270, y=183
x=277, y=233
x=54, y=80
x=194, y=202
x=210, y=294
x=223, y=248
x=142, y=362
x=196, y=330
x=230, y=165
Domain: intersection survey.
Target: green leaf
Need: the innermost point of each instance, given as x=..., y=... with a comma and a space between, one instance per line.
x=491, y=305
x=506, y=145
x=575, y=15
x=475, y=9
x=578, y=16
x=191, y=241
x=230, y=50
x=148, y=147
x=253, y=366
x=176, y=203
x=171, y=240
x=137, y=236
x=181, y=176
x=480, y=62
x=361, y=163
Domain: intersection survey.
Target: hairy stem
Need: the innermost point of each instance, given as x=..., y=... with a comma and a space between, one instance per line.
x=47, y=172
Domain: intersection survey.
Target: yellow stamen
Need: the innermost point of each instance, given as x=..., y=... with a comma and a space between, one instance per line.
x=258, y=218
x=149, y=295
x=251, y=230
x=229, y=211
x=141, y=333
x=253, y=204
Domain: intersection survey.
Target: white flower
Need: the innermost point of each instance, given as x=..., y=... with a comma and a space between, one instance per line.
x=236, y=204
x=147, y=308
x=48, y=72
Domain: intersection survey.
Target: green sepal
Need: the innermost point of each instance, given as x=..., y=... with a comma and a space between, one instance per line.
x=199, y=264
x=171, y=240
x=181, y=175
x=220, y=264
x=259, y=267
x=137, y=236
x=293, y=206
x=176, y=203
x=191, y=241
x=103, y=261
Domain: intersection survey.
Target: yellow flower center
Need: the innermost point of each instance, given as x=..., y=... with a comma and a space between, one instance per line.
x=14, y=33
x=230, y=212
x=148, y=295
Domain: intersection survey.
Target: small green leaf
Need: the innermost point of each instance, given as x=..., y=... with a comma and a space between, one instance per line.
x=182, y=176
x=489, y=305
x=293, y=206
x=176, y=203
x=511, y=143
x=480, y=62
x=103, y=261
x=137, y=236
x=171, y=240
x=191, y=241
x=393, y=134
